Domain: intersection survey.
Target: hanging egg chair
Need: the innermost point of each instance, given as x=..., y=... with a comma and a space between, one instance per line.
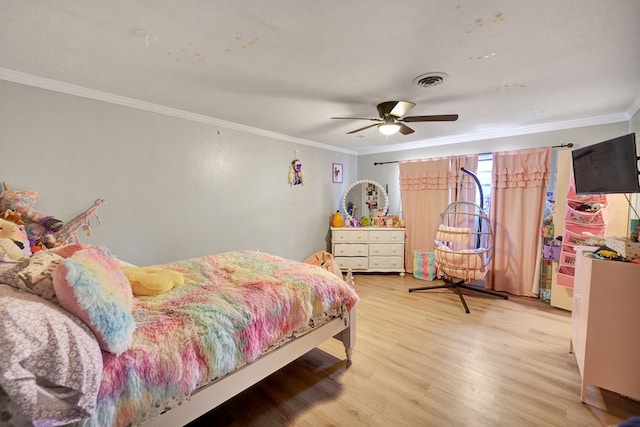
x=463, y=247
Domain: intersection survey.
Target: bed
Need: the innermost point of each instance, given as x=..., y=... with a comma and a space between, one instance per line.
x=236, y=318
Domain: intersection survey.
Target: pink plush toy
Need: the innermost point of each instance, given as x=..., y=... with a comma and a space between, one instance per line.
x=37, y=224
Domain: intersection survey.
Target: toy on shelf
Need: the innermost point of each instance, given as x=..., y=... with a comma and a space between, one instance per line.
x=38, y=226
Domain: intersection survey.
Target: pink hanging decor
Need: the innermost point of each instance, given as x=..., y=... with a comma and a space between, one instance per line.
x=69, y=232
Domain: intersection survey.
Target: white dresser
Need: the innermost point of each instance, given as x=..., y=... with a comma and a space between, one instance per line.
x=369, y=249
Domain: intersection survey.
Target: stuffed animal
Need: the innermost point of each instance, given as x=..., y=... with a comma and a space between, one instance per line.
x=325, y=260
x=37, y=224
x=12, y=216
x=21, y=239
x=152, y=280
x=9, y=234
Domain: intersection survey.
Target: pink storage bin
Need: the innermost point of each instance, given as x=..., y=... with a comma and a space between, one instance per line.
x=573, y=233
x=576, y=239
x=568, y=248
x=565, y=276
x=589, y=218
x=567, y=259
x=582, y=198
x=593, y=204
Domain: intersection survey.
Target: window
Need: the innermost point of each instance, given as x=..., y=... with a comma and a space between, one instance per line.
x=485, y=164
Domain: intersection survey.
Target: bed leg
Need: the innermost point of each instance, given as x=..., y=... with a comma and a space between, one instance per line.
x=349, y=279
x=349, y=334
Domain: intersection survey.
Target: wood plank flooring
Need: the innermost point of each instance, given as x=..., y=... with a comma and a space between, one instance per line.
x=419, y=360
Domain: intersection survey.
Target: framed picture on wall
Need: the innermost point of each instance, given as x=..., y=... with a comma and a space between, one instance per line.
x=336, y=173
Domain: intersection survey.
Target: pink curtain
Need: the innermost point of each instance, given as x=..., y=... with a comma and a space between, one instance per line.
x=463, y=187
x=427, y=187
x=519, y=184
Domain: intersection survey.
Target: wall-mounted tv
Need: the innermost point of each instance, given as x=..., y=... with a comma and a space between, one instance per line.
x=607, y=167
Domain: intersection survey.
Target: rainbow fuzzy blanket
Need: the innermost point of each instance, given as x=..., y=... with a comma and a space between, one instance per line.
x=232, y=308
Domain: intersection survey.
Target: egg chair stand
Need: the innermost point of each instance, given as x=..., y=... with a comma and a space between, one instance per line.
x=457, y=285
x=463, y=247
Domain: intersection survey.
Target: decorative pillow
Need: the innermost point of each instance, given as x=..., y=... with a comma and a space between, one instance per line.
x=465, y=264
x=37, y=277
x=24, y=239
x=91, y=285
x=65, y=251
x=50, y=362
x=424, y=265
x=9, y=269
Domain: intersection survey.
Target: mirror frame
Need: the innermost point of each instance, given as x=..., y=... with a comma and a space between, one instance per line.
x=381, y=191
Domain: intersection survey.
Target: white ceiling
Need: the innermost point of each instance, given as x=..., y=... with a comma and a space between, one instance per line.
x=287, y=66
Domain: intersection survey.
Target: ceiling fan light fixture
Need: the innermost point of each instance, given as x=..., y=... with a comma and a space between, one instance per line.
x=388, y=128
x=392, y=118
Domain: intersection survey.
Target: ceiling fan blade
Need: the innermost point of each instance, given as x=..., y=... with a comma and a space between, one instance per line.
x=356, y=118
x=405, y=130
x=366, y=127
x=435, y=118
x=394, y=108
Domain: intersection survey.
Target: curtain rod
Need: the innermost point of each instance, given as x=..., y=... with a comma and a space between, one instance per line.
x=569, y=145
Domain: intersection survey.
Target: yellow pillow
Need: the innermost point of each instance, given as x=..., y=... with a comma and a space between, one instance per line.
x=147, y=281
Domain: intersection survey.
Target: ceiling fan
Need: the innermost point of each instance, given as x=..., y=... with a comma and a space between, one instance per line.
x=392, y=118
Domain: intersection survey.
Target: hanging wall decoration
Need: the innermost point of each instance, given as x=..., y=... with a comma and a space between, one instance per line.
x=296, y=175
x=68, y=234
x=336, y=173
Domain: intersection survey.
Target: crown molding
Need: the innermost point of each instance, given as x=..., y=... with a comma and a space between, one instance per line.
x=84, y=92
x=634, y=108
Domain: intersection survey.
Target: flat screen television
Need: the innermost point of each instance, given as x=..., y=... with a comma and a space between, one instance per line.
x=607, y=167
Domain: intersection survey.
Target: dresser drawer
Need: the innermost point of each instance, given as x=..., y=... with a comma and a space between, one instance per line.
x=389, y=262
x=353, y=263
x=386, y=236
x=350, y=249
x=386, y=249
x=350, y=236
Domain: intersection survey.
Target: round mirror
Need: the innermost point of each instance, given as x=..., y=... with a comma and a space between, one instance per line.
x=365, y=198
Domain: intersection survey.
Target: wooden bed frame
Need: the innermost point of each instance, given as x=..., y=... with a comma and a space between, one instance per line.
x=213, y=395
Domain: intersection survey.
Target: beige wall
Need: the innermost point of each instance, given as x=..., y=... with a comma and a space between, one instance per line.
x=634, y=126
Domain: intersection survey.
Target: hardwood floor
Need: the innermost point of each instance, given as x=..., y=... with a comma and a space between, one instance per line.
x=419, y=360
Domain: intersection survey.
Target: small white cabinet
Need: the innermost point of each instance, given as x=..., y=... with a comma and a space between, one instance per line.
x=604, y=326
x=369, y=249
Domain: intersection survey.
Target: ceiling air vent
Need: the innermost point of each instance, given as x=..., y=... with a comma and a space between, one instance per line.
x=430, y=79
